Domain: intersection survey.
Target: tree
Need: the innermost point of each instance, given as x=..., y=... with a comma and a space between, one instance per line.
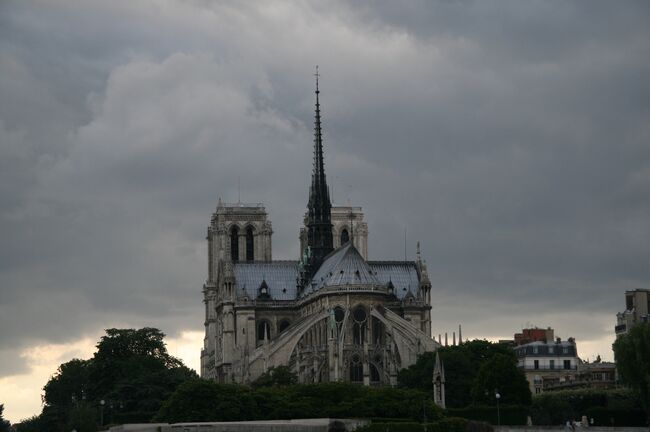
x=5, y=425
x=201, y=400
x=276, y=376
x=500, y=374
x=69, y=384
x=461, y=363
x=131, y=371
x=632, y=355
x=83, y=418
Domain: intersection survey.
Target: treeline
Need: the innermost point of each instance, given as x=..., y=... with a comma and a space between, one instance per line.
x=138, y=381
x=201, y=400
x=474, y=372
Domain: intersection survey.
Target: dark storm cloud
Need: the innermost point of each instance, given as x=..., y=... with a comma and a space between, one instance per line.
x=510, y=138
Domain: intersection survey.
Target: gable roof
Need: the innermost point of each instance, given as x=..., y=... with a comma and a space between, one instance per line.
x=280, y=277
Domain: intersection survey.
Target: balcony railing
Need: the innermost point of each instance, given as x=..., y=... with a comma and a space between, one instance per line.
x=548, y=367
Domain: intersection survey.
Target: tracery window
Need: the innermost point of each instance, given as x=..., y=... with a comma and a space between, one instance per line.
x=234, y=243
x=359, y=328
x=250, y=244
x=356, y=369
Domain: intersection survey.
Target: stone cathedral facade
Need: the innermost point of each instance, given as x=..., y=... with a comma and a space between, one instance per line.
x=332, y=315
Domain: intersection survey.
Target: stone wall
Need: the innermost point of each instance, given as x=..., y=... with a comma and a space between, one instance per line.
x=564, y=429
x=303, y=425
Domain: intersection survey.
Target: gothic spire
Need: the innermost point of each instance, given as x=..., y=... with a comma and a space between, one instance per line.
x=319, y=190
x=319, y=219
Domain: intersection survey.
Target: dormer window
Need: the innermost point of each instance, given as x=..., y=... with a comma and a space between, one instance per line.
x=263, y=290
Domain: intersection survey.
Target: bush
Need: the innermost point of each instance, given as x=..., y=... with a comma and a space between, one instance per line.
x=207, y=401
x=554, y=408
x=616, y=417
x=510, y=414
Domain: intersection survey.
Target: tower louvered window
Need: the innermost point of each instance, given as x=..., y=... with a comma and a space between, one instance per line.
x=234, y=244
x=250, y=244
x=345, y=237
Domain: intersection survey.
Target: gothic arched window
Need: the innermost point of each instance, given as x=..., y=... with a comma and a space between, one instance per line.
x=263, y=330
x=377, y=331
x=356, y=369
x=284, y=324
x=374, y=374
x=250, y=243
x=234, y=243
x=345, y=237
x=360, y=316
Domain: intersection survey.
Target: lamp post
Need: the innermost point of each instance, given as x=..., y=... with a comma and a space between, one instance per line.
x=498, y=396
x=101, y=412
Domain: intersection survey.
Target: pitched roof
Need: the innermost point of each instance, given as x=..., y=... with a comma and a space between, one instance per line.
x=280, y=276
x=344, y=266
x=403, y=275
x=339, y=268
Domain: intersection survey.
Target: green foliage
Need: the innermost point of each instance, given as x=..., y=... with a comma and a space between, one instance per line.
x=200, y=400
x=632, y=354
x=500, y=374
x=461, y=363
x=509, y=414
x=553, y=408
x=32, y=424
x=5, y=426
x=616, y=417
x=83, y=418
x=207, y=401
x=69, y=383
x=276, y=376
x=131, y=371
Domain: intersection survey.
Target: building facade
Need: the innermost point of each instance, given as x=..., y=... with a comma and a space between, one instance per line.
x=332, y=315
x=544, y=360
x=637, y=310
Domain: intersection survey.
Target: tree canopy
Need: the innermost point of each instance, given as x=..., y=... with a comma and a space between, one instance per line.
x=131, y=371
x=632, y=354
x=461, y=362
x=500, y=375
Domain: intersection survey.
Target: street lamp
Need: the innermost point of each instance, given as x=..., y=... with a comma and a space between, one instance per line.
x=101, y=412
x=498, y=396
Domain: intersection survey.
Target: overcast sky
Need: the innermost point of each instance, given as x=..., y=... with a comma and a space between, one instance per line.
x=512, y=139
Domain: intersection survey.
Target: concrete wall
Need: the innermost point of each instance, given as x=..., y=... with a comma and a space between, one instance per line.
x=303, y=425
x=562, y=428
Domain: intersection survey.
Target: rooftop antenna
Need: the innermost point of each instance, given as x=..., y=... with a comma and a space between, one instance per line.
x=238, y=189
x=404, y=243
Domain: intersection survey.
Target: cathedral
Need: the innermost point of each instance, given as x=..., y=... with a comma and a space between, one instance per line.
x=332, y=315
